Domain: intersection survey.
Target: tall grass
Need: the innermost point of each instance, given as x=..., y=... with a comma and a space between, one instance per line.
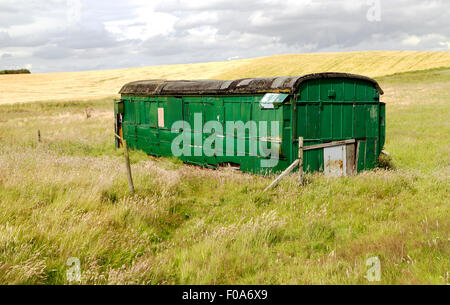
x=67, y=197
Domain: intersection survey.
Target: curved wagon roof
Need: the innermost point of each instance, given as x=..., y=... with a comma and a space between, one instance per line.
x=280, y=84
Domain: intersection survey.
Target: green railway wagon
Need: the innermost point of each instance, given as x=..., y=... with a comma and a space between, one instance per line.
x=255, y=123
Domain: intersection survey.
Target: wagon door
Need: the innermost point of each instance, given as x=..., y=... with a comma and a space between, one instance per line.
x=169, y=112
x=213, y=112
x=143, y=126
x=153, y=130
x=192, y=110
x=129, y=123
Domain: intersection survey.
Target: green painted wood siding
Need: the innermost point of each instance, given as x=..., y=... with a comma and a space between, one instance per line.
x=322, y=110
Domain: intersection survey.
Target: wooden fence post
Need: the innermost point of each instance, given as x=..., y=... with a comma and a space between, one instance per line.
x=298, y=162
x=128, y=167
x=300, y=159
x=39, y=136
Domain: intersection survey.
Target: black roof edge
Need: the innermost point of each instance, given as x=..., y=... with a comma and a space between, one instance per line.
x=281, y=84
x=339, y=75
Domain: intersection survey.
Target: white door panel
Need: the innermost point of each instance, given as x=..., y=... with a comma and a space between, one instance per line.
x=334, y=158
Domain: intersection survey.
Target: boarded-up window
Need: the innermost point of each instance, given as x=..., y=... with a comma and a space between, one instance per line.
x=160, y=117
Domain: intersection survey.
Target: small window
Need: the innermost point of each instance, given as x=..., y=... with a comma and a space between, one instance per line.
x=272, y=100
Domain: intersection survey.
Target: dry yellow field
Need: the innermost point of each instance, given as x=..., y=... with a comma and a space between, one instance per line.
x=99, y=84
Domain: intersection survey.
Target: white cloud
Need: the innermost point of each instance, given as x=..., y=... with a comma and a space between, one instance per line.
x=58, y=35
x=74, y=11
x=258, y=18
x=198, y=19
x=411, y=41
x=445, y=44
x=145, y=24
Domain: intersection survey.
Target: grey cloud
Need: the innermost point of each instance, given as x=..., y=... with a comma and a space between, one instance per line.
x=176, y=6
x=6, y=55
x=4, y=38
x=325, y=23
x=214, y=30
x=85, y=38
x=19, y=12
x=9, y=17
x=52, y=52
x=25, y=41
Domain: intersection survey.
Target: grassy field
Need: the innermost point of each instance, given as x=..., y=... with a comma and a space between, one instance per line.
x=67, y=197
x=101, y=84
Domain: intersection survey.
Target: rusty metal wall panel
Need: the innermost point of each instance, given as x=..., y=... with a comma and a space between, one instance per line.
x=335, y=159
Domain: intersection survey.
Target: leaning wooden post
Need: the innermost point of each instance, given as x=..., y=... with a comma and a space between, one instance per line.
x=300, y=159
x=39, y=136
x=127, y=164
x=282, y=175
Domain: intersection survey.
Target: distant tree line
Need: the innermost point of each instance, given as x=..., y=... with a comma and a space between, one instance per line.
x=19, y=71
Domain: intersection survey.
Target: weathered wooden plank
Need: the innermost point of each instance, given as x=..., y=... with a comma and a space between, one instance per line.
x=127, y=163
x=357, y=156
x=335, y=143
x=350, y=156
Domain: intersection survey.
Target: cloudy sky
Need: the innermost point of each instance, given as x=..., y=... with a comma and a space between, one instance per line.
x=74, y=35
